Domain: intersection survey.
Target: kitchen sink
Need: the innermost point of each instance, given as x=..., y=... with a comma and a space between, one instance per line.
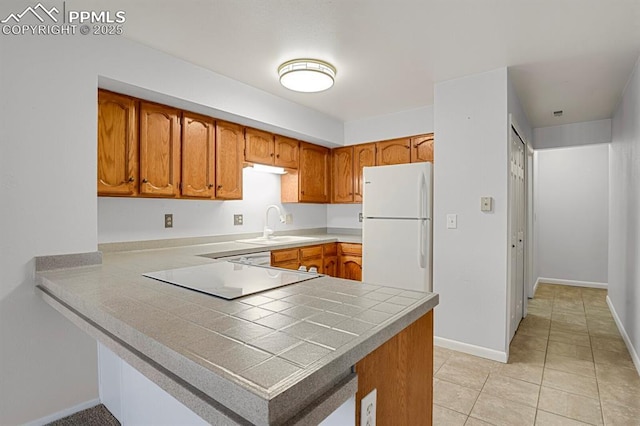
x=280, y=239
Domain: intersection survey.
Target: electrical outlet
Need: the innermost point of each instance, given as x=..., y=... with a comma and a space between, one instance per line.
x=237, y=220
x=368, y=409
x=288, y=219
x=360, y=217
x=168, y=220
x=486, y=204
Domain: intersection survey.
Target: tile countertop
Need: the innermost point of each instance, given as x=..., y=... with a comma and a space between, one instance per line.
x=259, y=359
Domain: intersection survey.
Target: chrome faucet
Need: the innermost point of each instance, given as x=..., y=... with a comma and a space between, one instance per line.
x=268, y=232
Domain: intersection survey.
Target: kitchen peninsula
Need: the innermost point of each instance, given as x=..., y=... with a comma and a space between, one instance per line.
x=291, y=355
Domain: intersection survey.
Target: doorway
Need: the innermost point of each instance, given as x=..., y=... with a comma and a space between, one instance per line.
x=517, y=225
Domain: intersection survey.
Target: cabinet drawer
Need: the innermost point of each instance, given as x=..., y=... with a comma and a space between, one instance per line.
x=279, y=256
x=351, y=248
x=293, y=264
x=330, y=249
x=308, y=252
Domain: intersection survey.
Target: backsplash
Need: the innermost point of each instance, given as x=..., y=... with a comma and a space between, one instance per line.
x=139, y=219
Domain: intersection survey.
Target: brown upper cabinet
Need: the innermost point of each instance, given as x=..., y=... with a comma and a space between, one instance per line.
x=395, y=151
x=159, y=150
x=342, y=174
x=309, y=184
x=117, y=144
x=258, y=146
x=229, y=147
x=286, y=150
x=198, y=156
x=314, y=173
x=422, y=148
x=364, y=155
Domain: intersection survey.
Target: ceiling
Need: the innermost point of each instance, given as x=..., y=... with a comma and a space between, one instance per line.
x=573, y=55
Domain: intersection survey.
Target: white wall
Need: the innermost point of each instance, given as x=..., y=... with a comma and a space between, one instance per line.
x=47, y=187
x=344, y=216
x=144, y=218
x=572, y=209
x=588, y=132
x=624, y=213
x=517, y=111
x=470, y=262
x=404, y=123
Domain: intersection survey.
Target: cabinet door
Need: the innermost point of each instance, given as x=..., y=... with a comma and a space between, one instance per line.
x=313, y=262
x=342, y=174
x=117, y=144
x=286, y=150
x=422, y=148
x=159, y=150
x=350, y=267
x=396, y=151
x=363, y=156
x=258, y=146
x=229, y=144
x=198, y=156
x=314, y=173
x=330, y=266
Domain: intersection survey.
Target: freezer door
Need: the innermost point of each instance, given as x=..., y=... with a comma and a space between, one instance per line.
x=398, y=191
x=397, y=253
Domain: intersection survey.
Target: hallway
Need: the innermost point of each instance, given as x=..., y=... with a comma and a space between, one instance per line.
x=568, y=366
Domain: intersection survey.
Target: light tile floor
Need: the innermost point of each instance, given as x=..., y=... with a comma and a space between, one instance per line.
x=568, y=366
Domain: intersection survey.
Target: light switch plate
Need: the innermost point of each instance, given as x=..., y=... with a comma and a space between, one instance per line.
x=368, y=409
x=486, y=204
x=288, y=218
x=452, y=221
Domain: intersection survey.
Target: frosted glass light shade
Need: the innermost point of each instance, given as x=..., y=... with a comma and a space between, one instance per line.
x=307, y=75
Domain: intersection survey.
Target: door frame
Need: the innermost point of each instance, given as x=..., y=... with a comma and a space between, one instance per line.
x=527, y=262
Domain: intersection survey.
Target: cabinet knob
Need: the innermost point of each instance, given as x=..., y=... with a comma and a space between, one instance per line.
x=131, y=179
x=210, y=185
x=302, y=192
x=219, y=186
x=278, y=156
x=271, y=154
x=145, y=181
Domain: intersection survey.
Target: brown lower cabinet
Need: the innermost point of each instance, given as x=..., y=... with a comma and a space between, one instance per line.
x=341, y=260
x=401, y=371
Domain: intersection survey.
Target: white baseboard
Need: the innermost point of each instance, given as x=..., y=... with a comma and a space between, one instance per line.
x=64, y=413
x=535, y=287
x=470, y=349
x=625, y=336
x=573, y=283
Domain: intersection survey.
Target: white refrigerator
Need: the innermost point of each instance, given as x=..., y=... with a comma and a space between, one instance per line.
x=397, y=226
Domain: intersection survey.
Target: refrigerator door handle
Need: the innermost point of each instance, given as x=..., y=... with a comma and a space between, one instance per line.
x=422, y=186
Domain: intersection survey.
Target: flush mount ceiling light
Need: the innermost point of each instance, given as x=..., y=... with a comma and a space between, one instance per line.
x=307, y=75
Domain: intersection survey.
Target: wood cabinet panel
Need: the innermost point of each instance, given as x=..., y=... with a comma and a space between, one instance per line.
x=342, y=174
x=313, y=174
x=395, y=151
x=159, y=150
x=258, y=146
x=330, y=265
x=402, y=372
x=292, y=264
x=310, y=252
x=117, y=144
x=363, y=156
x=422, y=148
x=286, y=255
x=330, y=249
x=350, y=267
x=354, y=249
x=229, y=159
x=286, y=150
x=198, y=156
x=313, y=262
